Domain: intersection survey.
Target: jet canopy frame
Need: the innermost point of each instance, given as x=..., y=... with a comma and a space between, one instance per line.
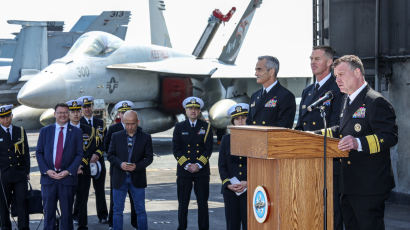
x=95, y=44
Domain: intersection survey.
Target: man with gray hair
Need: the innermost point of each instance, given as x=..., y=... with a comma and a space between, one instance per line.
x=273, y=105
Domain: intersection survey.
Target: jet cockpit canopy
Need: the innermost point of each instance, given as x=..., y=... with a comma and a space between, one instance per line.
x=95, y=44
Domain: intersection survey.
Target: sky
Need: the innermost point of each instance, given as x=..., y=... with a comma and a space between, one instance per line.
x=279, y=28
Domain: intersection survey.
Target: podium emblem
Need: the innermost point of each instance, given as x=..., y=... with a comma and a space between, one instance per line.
x=260, y=204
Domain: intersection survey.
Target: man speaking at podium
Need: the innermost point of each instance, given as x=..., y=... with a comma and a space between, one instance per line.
x=367, y=130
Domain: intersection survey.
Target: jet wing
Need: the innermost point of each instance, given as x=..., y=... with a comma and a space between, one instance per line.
x=181, y=67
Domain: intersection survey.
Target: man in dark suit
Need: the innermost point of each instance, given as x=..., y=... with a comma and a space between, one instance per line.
x=273, y=105
x=84, y=175
x=321, y=61
x=130, y=153
x=192, y=147
x=233, y=173
x=14, y=169
x=100, y=131
x=59, y=152
x=121, y=107
x=367, y=130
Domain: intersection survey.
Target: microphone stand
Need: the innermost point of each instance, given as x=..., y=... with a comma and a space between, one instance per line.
x=323, y=115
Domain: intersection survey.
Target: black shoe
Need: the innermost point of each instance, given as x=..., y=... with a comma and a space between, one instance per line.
x=75, y=219
x=103, y=221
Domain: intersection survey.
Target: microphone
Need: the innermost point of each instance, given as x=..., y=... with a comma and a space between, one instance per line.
x=327, y=96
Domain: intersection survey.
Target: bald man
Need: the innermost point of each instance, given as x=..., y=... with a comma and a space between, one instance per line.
x=130, y=153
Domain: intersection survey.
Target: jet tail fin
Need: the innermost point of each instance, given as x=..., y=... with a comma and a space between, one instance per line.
x=31, y=52
x=231, y=49
x=159, y=30
x=7, y=48
x=113, y=22
x=83, y=23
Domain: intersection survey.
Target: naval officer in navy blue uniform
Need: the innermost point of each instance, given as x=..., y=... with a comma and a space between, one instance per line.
x=273, y=105
x=15, y=169
x=367, y=130
x=100, y=131
x=321, y=61
x=232, y=170
x=192, y=147
x=84, y=176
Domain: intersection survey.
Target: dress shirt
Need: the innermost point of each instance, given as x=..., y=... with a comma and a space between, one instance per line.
x=57, y=131
x=77, y=125
x=10, y=129
x=267, y=89
x=352, y=97
x=89, y=120
x=323, y=81
x=193, y=123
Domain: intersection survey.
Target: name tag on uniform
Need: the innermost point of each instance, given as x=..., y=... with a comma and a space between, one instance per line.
x=185, y=133
x=201, y=131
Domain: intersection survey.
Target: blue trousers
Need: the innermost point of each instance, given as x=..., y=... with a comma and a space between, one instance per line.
x=51, y=193
x=138, y=196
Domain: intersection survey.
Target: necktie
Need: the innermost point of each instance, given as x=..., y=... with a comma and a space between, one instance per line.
x=8, y=134
x=264, y=93
x=192, y=125
x=316, y=87
x=59, y=152
x=89, y=122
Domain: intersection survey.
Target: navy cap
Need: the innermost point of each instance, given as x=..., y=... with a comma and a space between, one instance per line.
x=86, y=100
x=238, y=109
x=74, y=104
x=5, y=110
x=95, y=170
x=193, y=102
x=123, y=106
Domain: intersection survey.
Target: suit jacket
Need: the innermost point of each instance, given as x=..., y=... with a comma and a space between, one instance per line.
x=229, y=165
x=192, y=145
x=100, y=132
x=371, y=118
x=309, y=121
x=14, y=153
x=142, y=156
x=112, y=129
x=72, y=154
x=276, y=108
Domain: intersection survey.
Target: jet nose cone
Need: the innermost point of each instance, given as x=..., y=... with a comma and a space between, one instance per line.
x=42, y=91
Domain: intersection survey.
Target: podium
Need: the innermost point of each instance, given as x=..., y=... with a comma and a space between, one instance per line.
x=288, y=165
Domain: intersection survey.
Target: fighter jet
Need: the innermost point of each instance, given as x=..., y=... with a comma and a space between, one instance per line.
x=40, y=42
x=155, y=78
x=36, y=45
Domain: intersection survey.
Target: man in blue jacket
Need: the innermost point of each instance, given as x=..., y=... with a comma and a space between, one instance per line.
x=130, y=153
x=59, y=152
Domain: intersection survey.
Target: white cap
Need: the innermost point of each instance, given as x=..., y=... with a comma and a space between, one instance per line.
x=193, y=102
